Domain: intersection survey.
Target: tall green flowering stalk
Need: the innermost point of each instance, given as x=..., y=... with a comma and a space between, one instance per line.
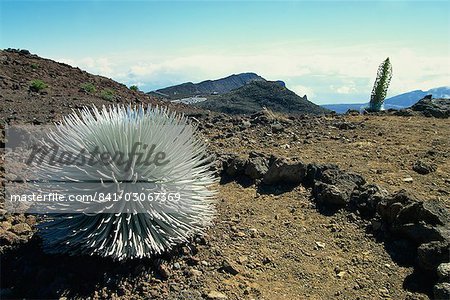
x=380, y=86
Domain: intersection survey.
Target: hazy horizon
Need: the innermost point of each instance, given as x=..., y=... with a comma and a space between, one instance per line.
x=328, y=50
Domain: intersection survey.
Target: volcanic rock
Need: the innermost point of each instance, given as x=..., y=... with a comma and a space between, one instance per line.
x=423, y=167
x=256, y=167
x=431, y=255
x=438, y=108
x=282, y=170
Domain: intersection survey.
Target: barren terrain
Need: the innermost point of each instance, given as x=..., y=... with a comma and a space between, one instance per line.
x=265, y=244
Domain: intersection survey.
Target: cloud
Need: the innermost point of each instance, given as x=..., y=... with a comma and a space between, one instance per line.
x=343, y=70
x=100, y=66
x=344, y=89
x=303, y=90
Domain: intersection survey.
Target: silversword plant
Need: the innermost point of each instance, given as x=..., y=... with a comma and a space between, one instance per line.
x=150, y=151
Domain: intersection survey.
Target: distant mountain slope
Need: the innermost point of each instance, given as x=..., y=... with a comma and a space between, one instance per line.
x=207, y=87
x=344, y=107
x=62, y=89
x=258, y=94
x=397, y=102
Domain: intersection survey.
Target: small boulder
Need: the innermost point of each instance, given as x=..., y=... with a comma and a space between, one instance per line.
x=366, y=199
x=260, y=117
x=314, y=171
x=389, y=207
x=256, y=167
x=432, y=254
x=431, y=212
x=408, y=179
x=235, y=166
x=344, y=125
x=276, y=128
x=336, y=176
x=423, y=167
x=245, y=124
x=421, y=232
x=282, y=170
x=422, y=222
x=229, y=267
x=335, y=187
x=331, y=194
x=438, y=108
x=164, y=271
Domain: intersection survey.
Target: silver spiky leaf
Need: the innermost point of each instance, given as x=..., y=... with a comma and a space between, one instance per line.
x=127, y=229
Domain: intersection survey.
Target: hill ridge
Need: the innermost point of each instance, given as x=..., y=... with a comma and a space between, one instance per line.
x=257, y=95
x=208, y=87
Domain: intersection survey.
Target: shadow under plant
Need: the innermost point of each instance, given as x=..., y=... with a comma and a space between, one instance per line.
x=27, y=272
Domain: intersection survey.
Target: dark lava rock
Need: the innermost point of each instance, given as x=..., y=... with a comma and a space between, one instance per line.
x=389, y=207
x=331, y=194
x=344, y=125
x=235, y=166
x=423, y=167
x=314, y=171
x=418, y=221
x=431, y=255
x=407, y=112
x=20, y=51
x=229, y=267
x=164, y=271
x=256, y=167
x=282, y=170
x=336, y=176
x=260, y=117
x=366, y=199
x=276, y=128
x=431, y=212
x=438, y=108
x=335, y=187
x=421, y=232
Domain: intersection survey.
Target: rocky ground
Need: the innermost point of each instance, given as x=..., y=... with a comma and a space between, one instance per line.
x=267, y=244
x=385, y=149
x=269, y=240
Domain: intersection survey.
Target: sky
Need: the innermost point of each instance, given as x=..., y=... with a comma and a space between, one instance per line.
x=328, y=50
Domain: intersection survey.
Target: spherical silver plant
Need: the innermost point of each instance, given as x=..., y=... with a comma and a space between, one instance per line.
x=120, y=227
